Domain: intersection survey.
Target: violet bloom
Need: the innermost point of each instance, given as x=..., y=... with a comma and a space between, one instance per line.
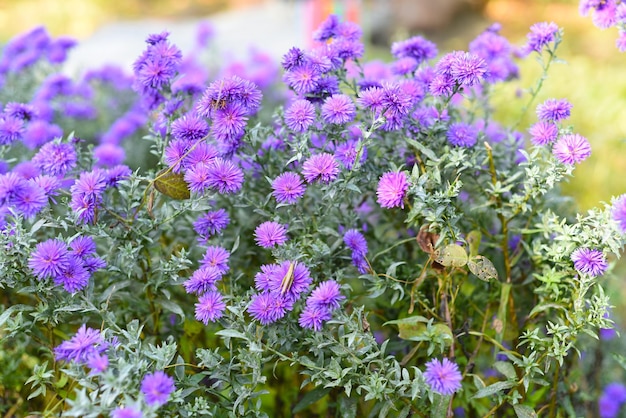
x=313, y=317
x=300, y=115
x=326, y=295
x=30, y=199
x=229, y=122
x=346, y=153
x=303, y=79
x=263, y=279
x=540, y=35
x=87, y=194
x=571, y=149
x=126, y=412
x=225, y=176
x=85, y=343
x=404, y=66
x=443, y=376
x=270, y=234
x=320, y=167
x=210, y=307
x=355, y=241
x=417, y=47
x=203, y=280
x=543, y=133
x=109, y=155
x=83, y=246
x=97, y=363
x=201, y=153
x=554, y=110
x=300, y=280
x=175, y=152
x=338, y=109
x=11, y=129
x=49, y=259
x=55, y=159
x=462, y=135
x=157, y=387
x=269, y=307
x=392, y=189
x=197, y=178
x=618, y=212
x=74, y=277
x=190, y=127
x=468, y=69
x=217, y=257
x=211, y=223
x=288, y=188
x=588, y=261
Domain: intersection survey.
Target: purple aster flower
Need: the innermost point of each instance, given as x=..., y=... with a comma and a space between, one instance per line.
x=392, y=189
x=210, y=307
x=360, y=262
x=620, y=42
x=338, y=109
x=554, y=110
x=372, y=99
x=543, y=133
x=55, y=159
x=48, y=184
x=417, y=47
x=355, y=241
x=49, y=259
x=618, y=212
x=211, y=223
x=441, y=85
x=30, y=199
x=109, y=155
x=97, y=363
x=327, y=29
x=288, y=188
x=270, y=234
x=497, y=53
x=190, y=127
x=83, y=246
x=607, y=407
x=571, y=149
x=229, y=122
x=87, y=195
x=85, y=343
x=468, y=69
x=11, y=129
x=175, y=153
x=443, y=376
x=116, y=174
x=346, y=153
x=541, y=34
x=403, y=66
x=302, y=79
x=27, y=169
x=293, y=286
x=157, y=387
x=588, y=261
x=320, y=167
x=325, y=295
x=93, y=264
x=262, y=307
x=462, y=135
x=217, y=257
x=229, y=90
x=300, y=115
x=126, y=412
x=23, y=111
x=293, y=58
x=263, y=279
x=224, y=176
x=313, y=317
x=197, y=177
x=74, y=277
x=616, y=391
x=201, y=153
x=203, y=280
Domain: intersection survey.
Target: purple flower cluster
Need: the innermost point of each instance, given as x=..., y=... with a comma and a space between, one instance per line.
x=457, y=70
x=211, y=223
x=356, y=242
x=71, y=268
x=497, y=53
x=23, y=196
x=157, y=388
x=607, y=13
x=280, y=286
x=324, y=299
x=589, y=261
x=392, y=189
x=86, y=347
x=611, y=401
x=213, y=266
x=541, y=35
x=155, y=69
x=443, y=376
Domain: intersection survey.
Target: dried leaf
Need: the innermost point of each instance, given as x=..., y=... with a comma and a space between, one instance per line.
x=172, y=185
x=483, y=268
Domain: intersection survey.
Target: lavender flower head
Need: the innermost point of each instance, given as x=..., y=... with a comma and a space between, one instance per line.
x=338, y=109
x=270, y=234
x=588, y=261
x=392, y=189
x=157, y=387
x=571, y=149
x=443, y=376
x=313, y=317
x=85, y=343
x=211, y=223
x=326, y=295
x=49, y=259
x=126, y=412
x=300, y=115
x=417, y=47
x=543, y=133
x=618, y=212
x=462, y=135
x=288, y=188
x=540, y=35
x=554, y=110
x=55, y=159
x=210, y=307
x=320, y=167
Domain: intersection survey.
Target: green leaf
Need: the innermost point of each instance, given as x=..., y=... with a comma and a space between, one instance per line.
x=231, y=333
x=310, y=398
x=506, y=369
x=172, y=307
x=347, y=407
x=483, y=268
x=493, y=389
x=523, y=411
x=473, y=240
x=440, y=406
x=421, y=148
x=451, y=255
x=172, y=185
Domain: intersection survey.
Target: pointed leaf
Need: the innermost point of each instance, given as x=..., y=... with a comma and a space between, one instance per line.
x=310, y=398
x=483, y=268
x=172, y=185
x=523, y=411
x=451, y=256
x=473, y=239
x=493, y=389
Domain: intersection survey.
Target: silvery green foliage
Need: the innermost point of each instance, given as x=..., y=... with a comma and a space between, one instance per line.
x=476, y=267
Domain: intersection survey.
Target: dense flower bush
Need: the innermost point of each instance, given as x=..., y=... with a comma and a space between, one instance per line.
x=199, y=241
